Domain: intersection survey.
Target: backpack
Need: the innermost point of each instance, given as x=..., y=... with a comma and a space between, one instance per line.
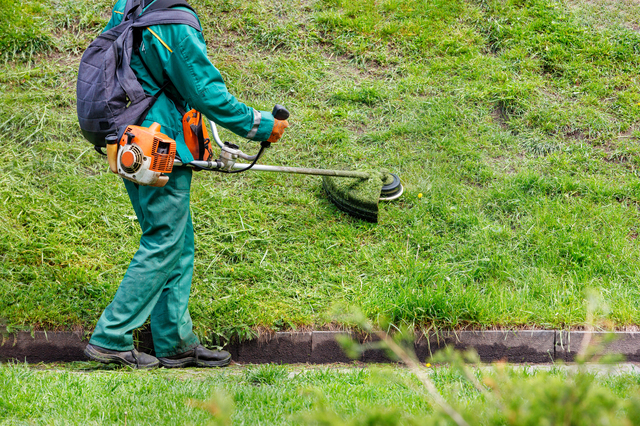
x=108, y=93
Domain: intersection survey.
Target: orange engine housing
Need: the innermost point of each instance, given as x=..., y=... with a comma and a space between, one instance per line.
x=155, y=145
x=142, y=155
x=196, y=136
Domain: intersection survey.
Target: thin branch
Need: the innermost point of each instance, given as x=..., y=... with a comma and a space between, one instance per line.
x=420, y=373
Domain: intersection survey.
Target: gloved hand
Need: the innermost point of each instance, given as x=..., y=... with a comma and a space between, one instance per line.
x=278, y=130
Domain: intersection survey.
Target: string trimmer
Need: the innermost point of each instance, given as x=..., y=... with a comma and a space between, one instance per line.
x=143, y=155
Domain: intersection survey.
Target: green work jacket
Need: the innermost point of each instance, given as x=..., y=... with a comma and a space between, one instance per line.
x=177, y=53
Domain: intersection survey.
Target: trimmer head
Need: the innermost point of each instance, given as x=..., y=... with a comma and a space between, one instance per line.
x=391, y=187
x=359, y=197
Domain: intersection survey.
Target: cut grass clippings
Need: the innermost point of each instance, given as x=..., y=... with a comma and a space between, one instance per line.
x=517, y=121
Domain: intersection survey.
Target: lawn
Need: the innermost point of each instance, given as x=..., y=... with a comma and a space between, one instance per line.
x=294, y=395
x=269, y=394
x=513, y=125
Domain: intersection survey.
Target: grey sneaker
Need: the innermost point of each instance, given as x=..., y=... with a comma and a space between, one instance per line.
x=131, y=358
x=198, y=357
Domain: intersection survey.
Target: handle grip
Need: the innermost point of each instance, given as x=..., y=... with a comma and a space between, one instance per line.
x=280, y=112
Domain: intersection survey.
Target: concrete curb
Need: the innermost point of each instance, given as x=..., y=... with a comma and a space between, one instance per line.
x=321, y=347
x=627, y=344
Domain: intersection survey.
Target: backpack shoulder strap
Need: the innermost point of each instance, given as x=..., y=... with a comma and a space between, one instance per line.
x=167, y=16
x=131, y=10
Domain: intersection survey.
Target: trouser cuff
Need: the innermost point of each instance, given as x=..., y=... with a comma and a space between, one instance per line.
x=179, y=350
x=111, y=347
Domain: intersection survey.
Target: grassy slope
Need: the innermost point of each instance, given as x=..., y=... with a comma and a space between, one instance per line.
x=516, y=121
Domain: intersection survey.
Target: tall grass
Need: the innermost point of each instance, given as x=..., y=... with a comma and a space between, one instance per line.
x=21, y=32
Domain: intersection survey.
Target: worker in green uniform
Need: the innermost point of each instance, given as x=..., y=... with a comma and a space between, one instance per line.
x=158, y=281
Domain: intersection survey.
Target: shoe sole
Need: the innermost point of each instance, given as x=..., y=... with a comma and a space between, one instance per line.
x=103, y=358
x=192, y=362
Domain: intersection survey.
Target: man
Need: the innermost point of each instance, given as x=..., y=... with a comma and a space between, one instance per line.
x=158, y=281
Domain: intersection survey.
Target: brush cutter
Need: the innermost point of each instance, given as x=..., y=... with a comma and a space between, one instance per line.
x=143, y=155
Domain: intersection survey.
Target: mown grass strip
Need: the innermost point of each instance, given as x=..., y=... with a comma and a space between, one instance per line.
x=81, y=394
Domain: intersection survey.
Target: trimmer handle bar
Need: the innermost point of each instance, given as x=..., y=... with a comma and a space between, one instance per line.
x=279, y=112
x=231, y=152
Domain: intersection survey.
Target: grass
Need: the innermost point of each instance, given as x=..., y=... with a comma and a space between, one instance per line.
x=512, y=124
x=262, y=394
x=268, y=394
x=21, y=34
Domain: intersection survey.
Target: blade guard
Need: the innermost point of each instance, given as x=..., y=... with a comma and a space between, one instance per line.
x=143, y=155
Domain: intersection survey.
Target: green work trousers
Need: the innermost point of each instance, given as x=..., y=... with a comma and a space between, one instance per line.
x=158, y=281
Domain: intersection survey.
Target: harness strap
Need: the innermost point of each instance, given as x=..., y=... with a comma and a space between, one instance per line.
x=147, y=7
x=151, y=5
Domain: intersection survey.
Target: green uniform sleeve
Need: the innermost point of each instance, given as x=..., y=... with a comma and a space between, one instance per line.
x=202, y=87
x=178, y=53
x=116, y=15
